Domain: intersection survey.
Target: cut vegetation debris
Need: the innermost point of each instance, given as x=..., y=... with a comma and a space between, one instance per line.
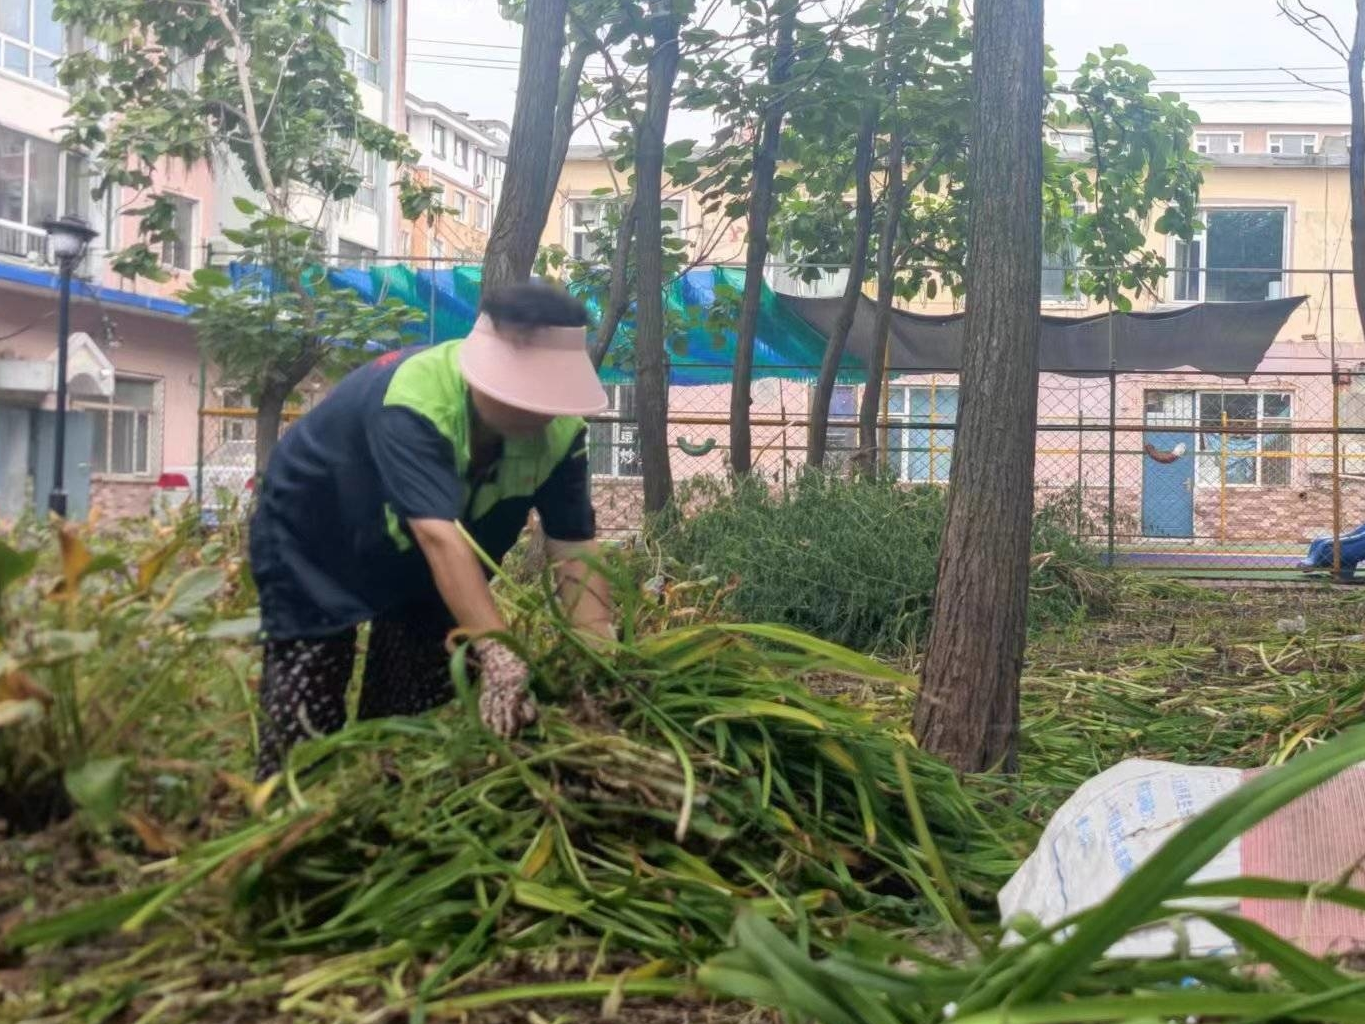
x=715, y=775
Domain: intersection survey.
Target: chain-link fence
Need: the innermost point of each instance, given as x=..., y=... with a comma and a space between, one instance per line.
x=1172, y=470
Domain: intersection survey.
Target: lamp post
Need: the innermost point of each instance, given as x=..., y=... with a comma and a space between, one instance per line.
x=70, y=236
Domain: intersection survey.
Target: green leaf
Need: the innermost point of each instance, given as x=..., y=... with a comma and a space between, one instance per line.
x=244, y=628
x=245, y=206
x=97, y=788
x=191, y=592
x=15, y=565
x=212, y=277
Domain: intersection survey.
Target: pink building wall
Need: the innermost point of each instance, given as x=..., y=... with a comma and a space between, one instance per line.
x=158, y=348
x=174, y=177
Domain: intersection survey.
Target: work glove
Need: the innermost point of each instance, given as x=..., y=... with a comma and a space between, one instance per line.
x=504, y=703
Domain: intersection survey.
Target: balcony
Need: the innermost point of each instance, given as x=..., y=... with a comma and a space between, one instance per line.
x=19, y=241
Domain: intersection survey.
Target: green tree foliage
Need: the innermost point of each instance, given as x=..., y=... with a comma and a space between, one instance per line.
x=258, y=89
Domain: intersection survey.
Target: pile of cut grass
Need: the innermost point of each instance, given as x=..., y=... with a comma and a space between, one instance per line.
x=692, y=774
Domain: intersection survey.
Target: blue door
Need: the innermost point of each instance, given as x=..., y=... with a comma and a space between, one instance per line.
x=1168, y=462
x=80, y=430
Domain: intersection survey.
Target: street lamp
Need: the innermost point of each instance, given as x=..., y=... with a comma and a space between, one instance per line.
x=70, y=236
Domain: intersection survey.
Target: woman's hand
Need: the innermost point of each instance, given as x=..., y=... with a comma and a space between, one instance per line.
x=505, y=706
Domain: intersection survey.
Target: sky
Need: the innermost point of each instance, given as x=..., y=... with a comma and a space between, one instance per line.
x=462, y=54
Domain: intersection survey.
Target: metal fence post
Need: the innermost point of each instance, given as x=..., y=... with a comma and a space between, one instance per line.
x=1080, y=464
x=1336, y=426
x=1113, y=437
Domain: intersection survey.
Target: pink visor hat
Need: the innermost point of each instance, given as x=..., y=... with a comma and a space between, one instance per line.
x=543, y=370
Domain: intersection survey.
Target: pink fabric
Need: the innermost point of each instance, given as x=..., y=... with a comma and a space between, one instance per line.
x=1320, y=837
x=544, y=371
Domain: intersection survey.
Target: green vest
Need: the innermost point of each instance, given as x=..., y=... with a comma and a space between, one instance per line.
x=432, y=385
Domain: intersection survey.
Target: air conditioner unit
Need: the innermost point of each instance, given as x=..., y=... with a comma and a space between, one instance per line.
x=480, y=180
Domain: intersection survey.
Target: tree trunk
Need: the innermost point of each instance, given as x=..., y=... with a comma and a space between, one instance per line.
x=853, y=293
x=1355, y=66
x=968, y=707
x=269, y=418
x=565, y=100
x=857, y=267
x=520, y=217
x=760, y=212
x=618, y=292
x=870, y=410
x=651, y=370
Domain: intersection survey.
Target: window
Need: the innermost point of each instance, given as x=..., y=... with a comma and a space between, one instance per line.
x=1218, y=143
x=1234, y=259
x=480, y=215
x=438, y=140
x=366, y=162
x=177, y=253
x=404, y=243
x=37, y=181
x=1256, y=457
x=122, y=444
x=182, y=72
x=438, y=249
x=31, y=39
x=841, y=439
x=785, y=276
x=1296, y=144
x=614, y=448
x=480, y=163
x=360, y=34
x=461, y=152
x=1071, y=143
x=588, y=217
x=922, y=453
x=237, y=428
x=350, y=254
x=456, y=202
x=1061, y=260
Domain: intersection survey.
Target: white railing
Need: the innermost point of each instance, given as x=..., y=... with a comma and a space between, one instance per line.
x=23, y=241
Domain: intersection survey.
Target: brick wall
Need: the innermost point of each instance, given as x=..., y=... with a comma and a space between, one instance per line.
x=1273, y=514
x=120, y=499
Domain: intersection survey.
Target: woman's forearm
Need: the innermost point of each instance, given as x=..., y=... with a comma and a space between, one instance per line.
x=459, y=576
x=584, y=593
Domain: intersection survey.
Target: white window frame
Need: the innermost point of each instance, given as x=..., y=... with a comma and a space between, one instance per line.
x=900, y=460
x=436, y=250
x=31, y=48
x=1275, y=142
x=152, y=435
x=1212, y=456
x=236, y=428
x=573, y=231
x=37, y=232
x=1235, y=148
x=364, y=63
x=1202, y=238
x=460, y=154
x=439, y=132
x=1058, y=138
x=186, y=237
x=367, y=193
x=624, y=439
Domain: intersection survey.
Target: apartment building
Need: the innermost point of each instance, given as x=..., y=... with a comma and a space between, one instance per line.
x=135, y=371
x=467, y=159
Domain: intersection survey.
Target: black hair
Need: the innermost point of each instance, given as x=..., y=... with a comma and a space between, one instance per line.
x=534, y=304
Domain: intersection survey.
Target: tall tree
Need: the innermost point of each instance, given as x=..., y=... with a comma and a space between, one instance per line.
x=260, y=89
x=546, y=95
x=664, y=19
x=863, y=159
x=781, y=23
x=1317, y=24
x=968, y=706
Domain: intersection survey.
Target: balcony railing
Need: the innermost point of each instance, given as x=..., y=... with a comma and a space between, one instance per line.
x=19, y=241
